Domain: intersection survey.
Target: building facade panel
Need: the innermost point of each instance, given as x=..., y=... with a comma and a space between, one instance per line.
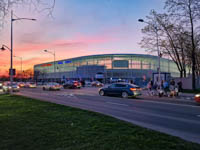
x=126, y=66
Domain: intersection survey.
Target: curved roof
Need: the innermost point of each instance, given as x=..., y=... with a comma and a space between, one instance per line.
x=117, y=54
x=108, y=55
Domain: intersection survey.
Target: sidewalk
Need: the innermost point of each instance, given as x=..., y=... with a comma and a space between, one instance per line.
x=185, y=98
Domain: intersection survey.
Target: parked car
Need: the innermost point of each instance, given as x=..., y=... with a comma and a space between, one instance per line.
x=51, y=86
x=72, y=85
x=197, y=98
x=121, y=89
x=40, y=83
x=7, y=87
x=88, y=83
x=21, y=84
x=15, y=88
x=1, y=88
x=96, y=84
x=30, y=85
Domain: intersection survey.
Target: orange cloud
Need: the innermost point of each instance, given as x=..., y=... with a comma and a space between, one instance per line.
x=30, y=47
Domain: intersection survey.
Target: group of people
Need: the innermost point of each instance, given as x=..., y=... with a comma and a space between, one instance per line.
x=164, y=88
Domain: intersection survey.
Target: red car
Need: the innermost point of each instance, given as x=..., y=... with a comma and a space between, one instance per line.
x=72, y=85
x=97, y=84
x=197, y=98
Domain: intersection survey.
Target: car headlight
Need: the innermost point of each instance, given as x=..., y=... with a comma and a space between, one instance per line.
x=198, y=95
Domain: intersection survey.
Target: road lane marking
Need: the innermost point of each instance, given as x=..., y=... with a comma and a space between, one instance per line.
x=116, y=104
x=66, y=94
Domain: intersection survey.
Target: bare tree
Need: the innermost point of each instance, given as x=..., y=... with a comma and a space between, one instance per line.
x=188, y=13
x=37, y=5
x=171, y=39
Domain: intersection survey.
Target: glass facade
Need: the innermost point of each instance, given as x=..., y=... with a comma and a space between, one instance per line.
x=130, y=64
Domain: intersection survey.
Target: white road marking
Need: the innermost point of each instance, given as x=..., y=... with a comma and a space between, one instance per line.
x=66, y=94
x=116, y=104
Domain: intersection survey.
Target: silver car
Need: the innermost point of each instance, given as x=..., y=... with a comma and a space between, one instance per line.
x=51, y=86
x=1, y=88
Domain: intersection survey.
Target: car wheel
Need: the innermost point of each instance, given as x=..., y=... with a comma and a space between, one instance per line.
x=101, y=93
x=124, y=95
x=43, y=88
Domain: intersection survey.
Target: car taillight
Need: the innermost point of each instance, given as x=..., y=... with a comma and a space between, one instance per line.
x=133, y=89
x=198, y=95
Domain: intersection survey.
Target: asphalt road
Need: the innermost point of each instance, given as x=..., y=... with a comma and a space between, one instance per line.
x=176, y=119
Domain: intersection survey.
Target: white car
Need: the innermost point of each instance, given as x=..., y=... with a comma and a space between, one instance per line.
x=7, y=87
x=1, y=88
x=51, y=86
x=32, y=85
x=88, y=83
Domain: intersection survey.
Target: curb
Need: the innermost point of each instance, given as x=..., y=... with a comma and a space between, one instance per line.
x=181, y=100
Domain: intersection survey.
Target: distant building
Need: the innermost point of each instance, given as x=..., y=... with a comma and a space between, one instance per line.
x=104, y=67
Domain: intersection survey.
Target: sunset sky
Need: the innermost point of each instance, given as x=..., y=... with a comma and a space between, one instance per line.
x=77, y=28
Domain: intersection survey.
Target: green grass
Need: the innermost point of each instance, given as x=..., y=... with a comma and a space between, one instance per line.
x=27, y=124
x=191, y=91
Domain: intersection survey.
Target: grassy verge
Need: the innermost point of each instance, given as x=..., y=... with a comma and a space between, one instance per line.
x=27, y=124
x=191, y=91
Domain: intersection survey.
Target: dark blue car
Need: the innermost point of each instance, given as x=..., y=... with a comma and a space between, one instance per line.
x=121, y=89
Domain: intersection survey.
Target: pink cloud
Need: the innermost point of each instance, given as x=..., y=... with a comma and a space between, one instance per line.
x=31, y=48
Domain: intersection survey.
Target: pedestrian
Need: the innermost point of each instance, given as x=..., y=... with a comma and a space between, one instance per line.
x=149, y=87
x=162, y=82
x=155, y=86
x=180, y=86
x=166, y=87
x=83, y=83
x=131, y=81
x=172, y=88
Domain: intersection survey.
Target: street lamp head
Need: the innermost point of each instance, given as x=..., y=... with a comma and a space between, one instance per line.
x=140, y=20
x=32, y=19
x=3, y=48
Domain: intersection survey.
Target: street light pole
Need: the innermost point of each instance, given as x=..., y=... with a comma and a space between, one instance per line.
x=11, y=44
x=11, y=51
x=159, y=79
x=158, y=50
x=54, y=60
x=21, y=64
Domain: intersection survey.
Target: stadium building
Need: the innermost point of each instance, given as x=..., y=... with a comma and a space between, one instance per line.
x=104, y=67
